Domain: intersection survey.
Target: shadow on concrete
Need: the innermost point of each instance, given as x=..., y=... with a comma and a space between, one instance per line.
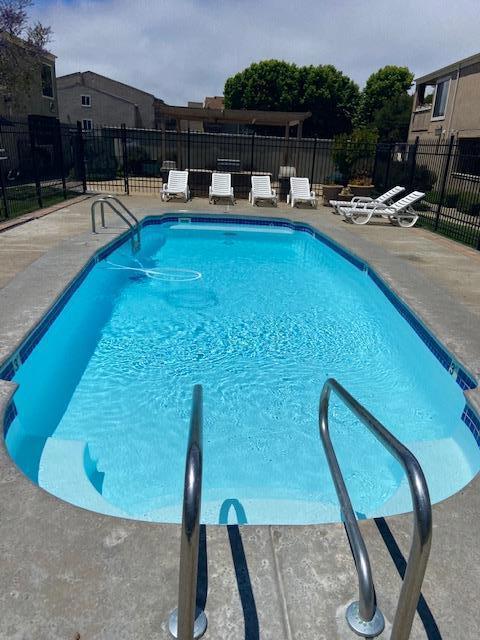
x=202, y=576
x=423, y=610
x=252, y=630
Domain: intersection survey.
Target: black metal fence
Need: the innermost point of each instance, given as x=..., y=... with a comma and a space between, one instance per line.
x=40, y=164
x=47, y=162
x=137, y=160
x=448, y=172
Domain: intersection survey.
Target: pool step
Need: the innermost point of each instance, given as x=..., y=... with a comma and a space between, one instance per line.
x=434, y=457
x=67, y=470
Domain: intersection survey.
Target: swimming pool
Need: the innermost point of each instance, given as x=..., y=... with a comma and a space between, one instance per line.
x=259, y=314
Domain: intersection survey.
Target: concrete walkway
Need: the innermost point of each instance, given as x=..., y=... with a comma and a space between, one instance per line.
x=68, y=573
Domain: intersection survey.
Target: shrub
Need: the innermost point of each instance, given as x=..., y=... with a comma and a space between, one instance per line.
x=469, y=203
x=351, y=151
x=424, y=179
x=450, y=198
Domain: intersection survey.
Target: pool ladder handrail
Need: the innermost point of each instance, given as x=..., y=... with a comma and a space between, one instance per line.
x=363, y=616
x=127, y=216
x=186, y=622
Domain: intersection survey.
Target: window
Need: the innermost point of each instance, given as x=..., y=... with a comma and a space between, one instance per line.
x=47, y=81
x=441, y=96
x=87, y=124
x=86, y=101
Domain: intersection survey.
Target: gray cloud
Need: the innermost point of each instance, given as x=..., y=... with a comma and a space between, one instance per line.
x=182, y=50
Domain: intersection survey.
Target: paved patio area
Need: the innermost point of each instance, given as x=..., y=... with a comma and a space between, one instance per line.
x=68, y=573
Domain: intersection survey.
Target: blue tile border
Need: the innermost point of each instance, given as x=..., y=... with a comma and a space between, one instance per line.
x=10, y=415
x=463, y=378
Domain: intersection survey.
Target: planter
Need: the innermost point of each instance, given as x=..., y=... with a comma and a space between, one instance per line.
x=361, y=190
x=330, y=192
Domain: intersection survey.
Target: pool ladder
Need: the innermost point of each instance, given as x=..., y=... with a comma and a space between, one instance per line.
x=121, y=210
x=187, y=622
x=363, y=616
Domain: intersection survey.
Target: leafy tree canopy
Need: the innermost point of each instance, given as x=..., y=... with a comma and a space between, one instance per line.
x=393, y=119
x=21, y=47
x=380, y=88
x=276, y=85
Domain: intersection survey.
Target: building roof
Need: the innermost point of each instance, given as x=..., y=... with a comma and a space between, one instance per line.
x=78, y=77
x=23, y=43
x=214, y=102
x=454, y=66
x=242, y=116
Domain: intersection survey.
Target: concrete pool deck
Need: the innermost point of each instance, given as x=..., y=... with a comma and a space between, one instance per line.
x=69, y=573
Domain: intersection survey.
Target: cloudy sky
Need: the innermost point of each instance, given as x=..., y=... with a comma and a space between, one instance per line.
x=183, y=50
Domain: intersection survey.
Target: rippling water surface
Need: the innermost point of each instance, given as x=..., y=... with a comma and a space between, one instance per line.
x=260, y=320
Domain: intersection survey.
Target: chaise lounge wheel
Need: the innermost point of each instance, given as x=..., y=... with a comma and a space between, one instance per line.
x=362, y=216
x=404, y=221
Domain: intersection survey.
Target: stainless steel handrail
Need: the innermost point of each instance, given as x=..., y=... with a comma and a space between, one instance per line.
x=135, y=226
x=359, y=615
x=127, y=211
x=186, y=622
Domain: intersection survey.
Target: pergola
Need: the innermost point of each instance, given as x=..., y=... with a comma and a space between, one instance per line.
x=285, y=119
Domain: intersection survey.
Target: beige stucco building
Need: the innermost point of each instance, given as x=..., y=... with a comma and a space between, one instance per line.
x=447, y=102
x=95, y=100
x=40, y=99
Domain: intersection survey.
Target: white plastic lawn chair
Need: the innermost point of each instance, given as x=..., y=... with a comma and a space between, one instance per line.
x=262, y=190
x=221, y=187
x=300, y=192
x=177, y=186
x=366, y=201
x=400, y=213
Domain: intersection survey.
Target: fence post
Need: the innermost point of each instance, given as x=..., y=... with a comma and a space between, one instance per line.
x=2, y=181
x=61, y=158
x=251, y=153
x=188, y=148
x=313, y=161
x=35, y=163
x=389, y=160
x=81, y=156
x=414, y=161
x=125, y=159
x=444, y=182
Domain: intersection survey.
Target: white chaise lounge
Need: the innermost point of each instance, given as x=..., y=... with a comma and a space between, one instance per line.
x=177, y=186
x=262, y=190
x=300, y=192
x=221, y=187
x=400, y=212
x=365, y=201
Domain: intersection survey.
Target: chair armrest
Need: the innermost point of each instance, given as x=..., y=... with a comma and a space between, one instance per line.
x=379, y=206
x=312, y=194
x=362, y=199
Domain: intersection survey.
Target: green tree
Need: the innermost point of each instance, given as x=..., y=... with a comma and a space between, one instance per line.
x=380, y=88
x=268, y=85
x=392, y=121
x=332, y=98
x=21, y=47
x=276, y=85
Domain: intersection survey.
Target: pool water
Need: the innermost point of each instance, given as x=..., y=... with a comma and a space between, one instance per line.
x=260, y=316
